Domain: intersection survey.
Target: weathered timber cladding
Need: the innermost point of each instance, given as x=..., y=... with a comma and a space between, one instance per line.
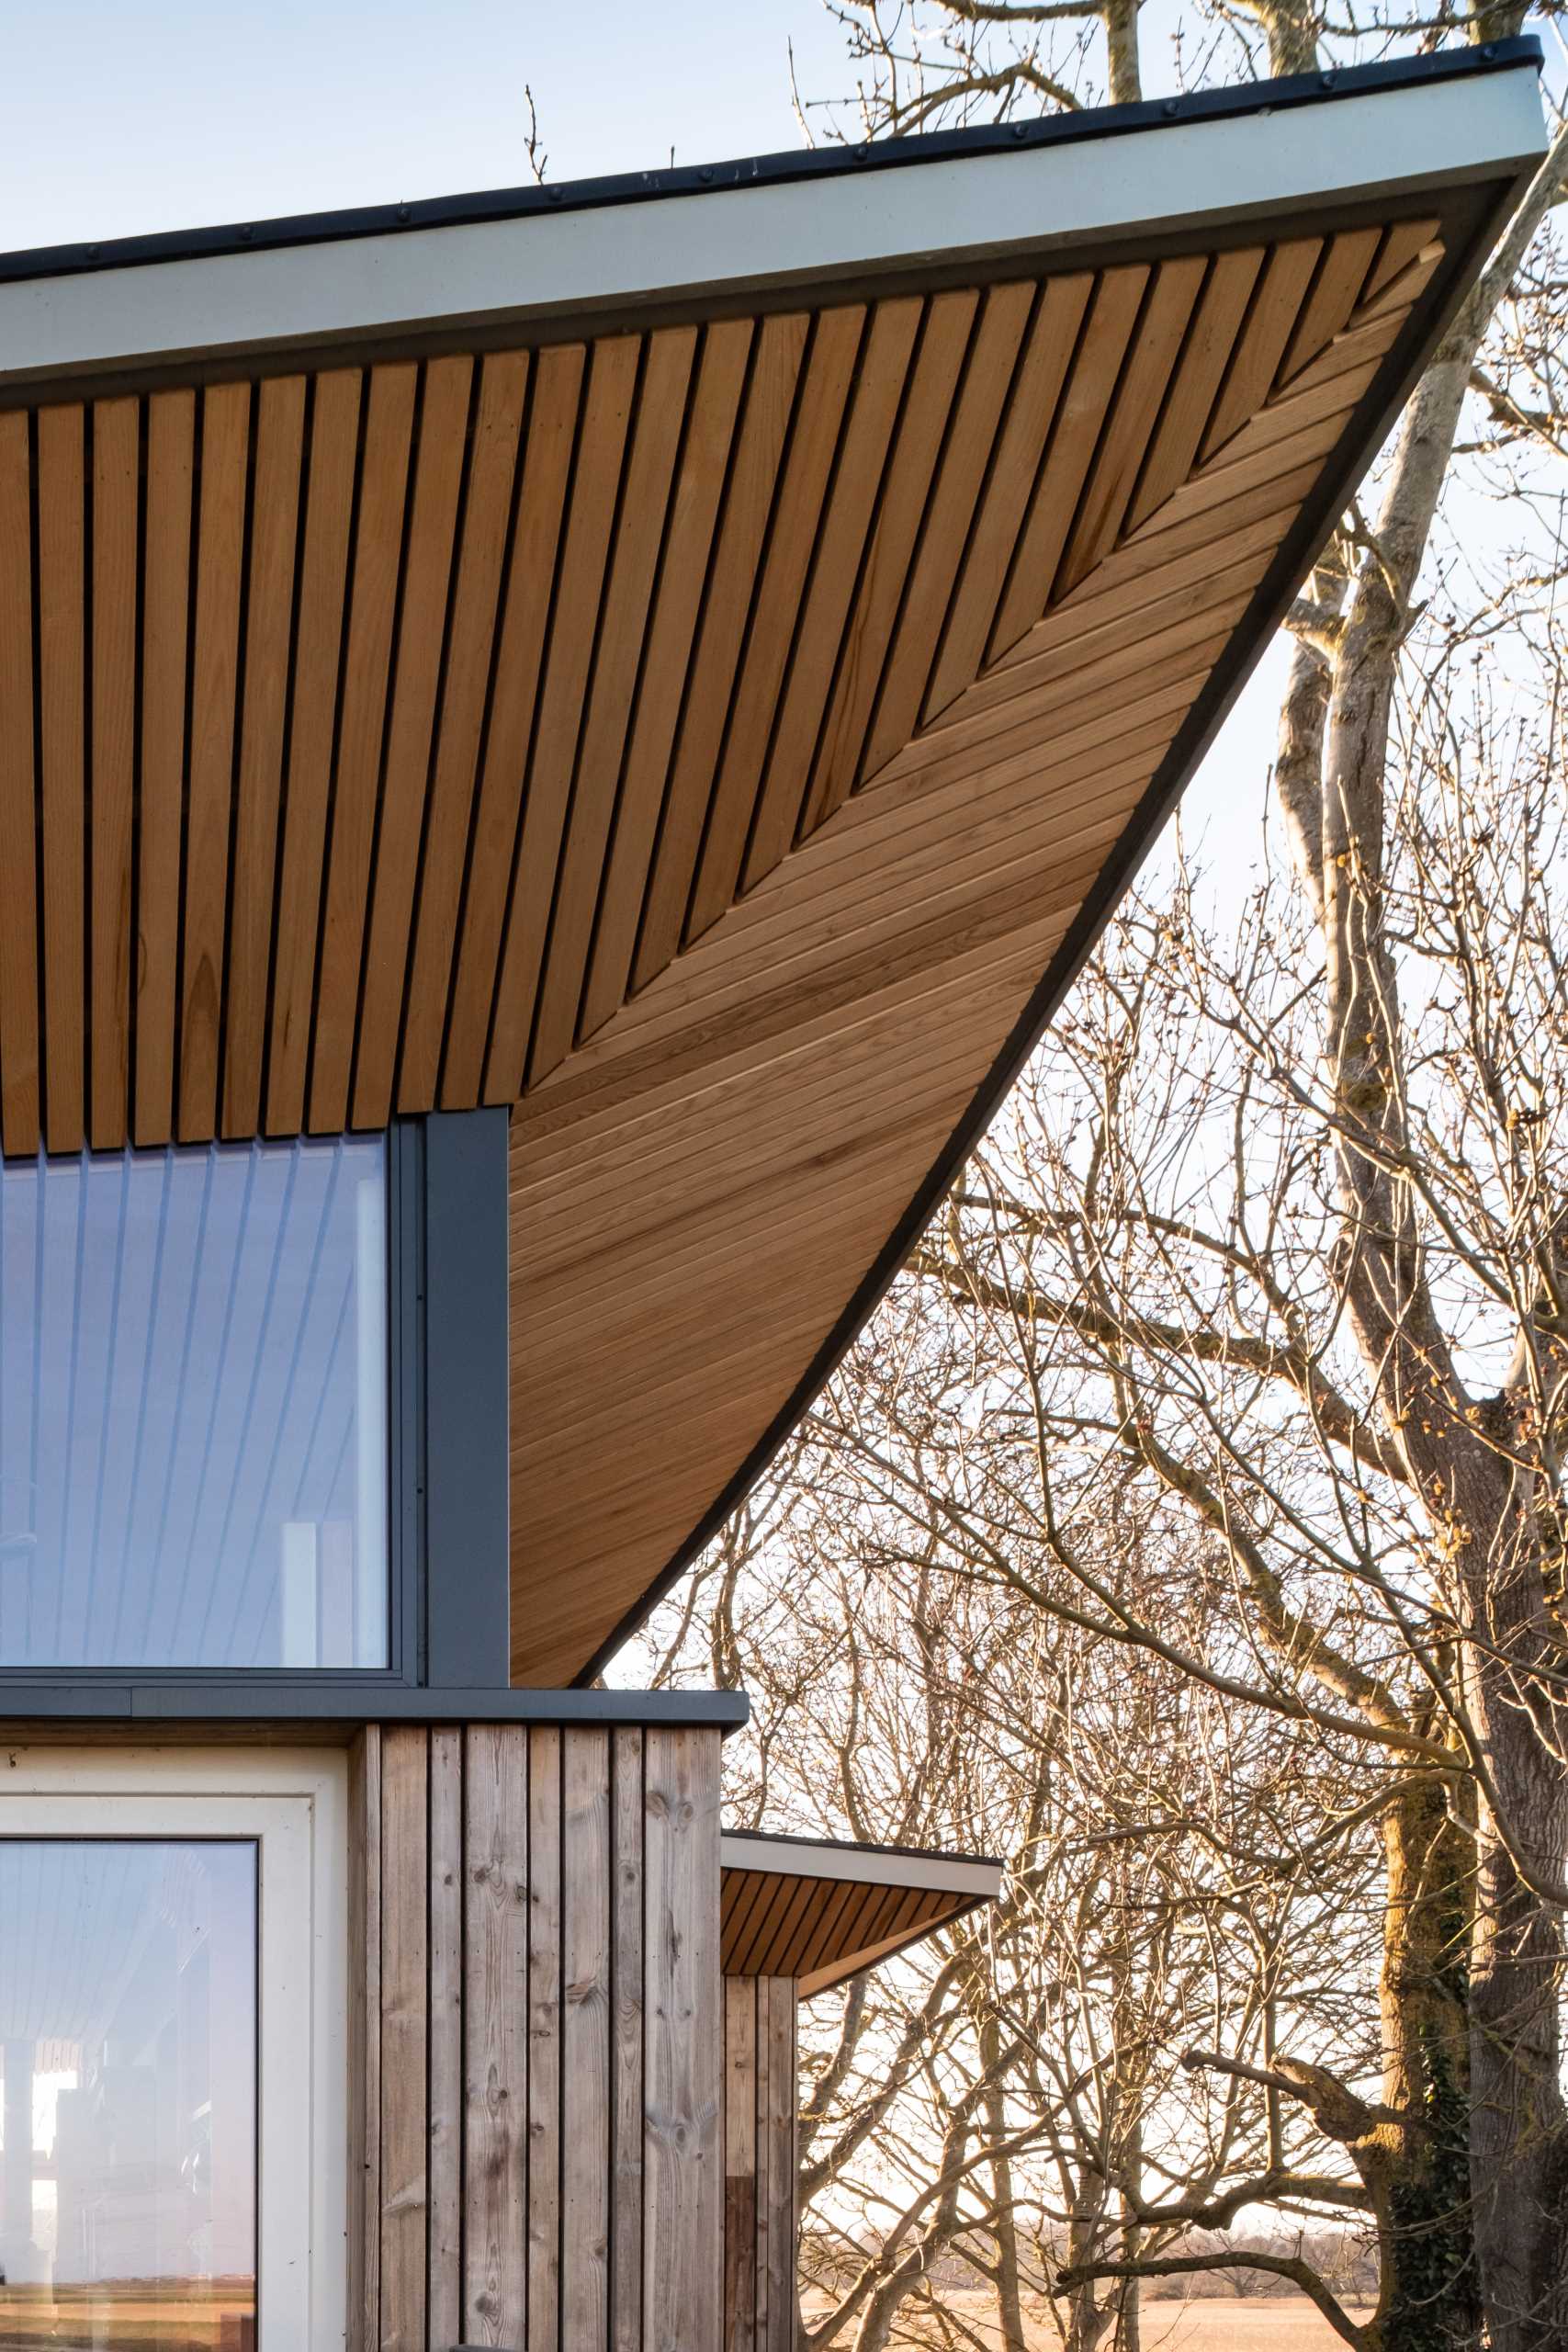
x=535, y=2037
x=760, y=2309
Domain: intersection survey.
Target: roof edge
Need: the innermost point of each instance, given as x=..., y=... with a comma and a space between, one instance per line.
x=778, y=169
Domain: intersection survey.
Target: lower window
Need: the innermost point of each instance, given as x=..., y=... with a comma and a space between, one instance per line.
x=171, y=2110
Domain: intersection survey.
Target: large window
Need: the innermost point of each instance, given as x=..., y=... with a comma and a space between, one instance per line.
x=173, y=2120
x=193, y=1409
x=128, y=2051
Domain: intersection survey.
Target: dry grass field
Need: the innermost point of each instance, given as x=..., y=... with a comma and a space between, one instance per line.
x=1202, y=2323
x=1235, y=2325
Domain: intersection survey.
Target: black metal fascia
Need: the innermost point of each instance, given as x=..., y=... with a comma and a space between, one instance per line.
x=771, y=170
x=317, y=1700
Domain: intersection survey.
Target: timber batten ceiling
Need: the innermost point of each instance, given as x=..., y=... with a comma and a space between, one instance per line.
x=716, y=738
x=819, y=1911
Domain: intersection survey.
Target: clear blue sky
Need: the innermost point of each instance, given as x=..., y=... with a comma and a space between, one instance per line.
x=117, y=118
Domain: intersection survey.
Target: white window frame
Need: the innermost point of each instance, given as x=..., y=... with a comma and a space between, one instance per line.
x=294, y=1804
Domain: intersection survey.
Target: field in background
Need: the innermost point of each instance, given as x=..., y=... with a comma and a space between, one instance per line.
x=1203, y=2323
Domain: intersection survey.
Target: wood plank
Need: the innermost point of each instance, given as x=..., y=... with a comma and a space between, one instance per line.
x=626, y=2030
x=1404, y=242
x=495, y=2033
x=769, y=1013
x=1335, y=291
x=165, y=601
x=978, y=419
x=405, y=1879
x=1032, y=410
x=776, y=2128
x=763, y=2264
x=19, y=1102
x=1136, y=408
x=116, y=496
x=220, y=558
x=639, y=539
x=329, y=506
x=791, y=532
x=552, y=763
x=62, y=632
x=739, y=2163
x=444, y=2125
x=1276, y=305
x=420, y=637
x=1173, y=452
x=684, y=2213
x=868, y=452
x=364, y=2040
x=487, y=514
x=547, y=472
x=544, y=1863
x=377, y=555
x=586, y=2086
x=769, y=402
x=269, y=612
x=908, y=491
x=1075, y=434
x=671, y=641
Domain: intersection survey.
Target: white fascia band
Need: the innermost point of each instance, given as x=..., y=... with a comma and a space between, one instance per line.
x=616, y=259
x=860, y=1865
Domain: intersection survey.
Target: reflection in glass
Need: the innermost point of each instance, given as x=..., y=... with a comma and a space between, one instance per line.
x=193, y=1407
x=127, y=2119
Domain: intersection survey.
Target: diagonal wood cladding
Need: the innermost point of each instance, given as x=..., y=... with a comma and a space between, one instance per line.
x=693, y=1189
x=702, y=738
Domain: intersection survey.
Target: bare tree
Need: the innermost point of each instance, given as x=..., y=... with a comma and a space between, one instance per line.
x=1235, y=1374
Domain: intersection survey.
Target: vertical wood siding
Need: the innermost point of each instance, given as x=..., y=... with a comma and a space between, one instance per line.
x=537, y=2040
x=761, y=2308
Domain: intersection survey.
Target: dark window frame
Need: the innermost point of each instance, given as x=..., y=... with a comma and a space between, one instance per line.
x=448, y=1422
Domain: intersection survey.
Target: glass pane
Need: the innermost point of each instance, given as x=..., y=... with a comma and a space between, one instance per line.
x=128, y=2115
x=193, y=1407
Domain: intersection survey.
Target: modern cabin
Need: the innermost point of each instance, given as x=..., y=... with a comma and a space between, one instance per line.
x=557, y=750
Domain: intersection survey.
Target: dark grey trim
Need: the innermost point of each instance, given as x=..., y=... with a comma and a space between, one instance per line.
x=298, y=1699
x=775, y=170
x=467, y=1369
x=405, y=1394
x=1471, y=216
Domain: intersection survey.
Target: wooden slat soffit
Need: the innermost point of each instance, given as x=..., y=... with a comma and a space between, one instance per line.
x=702, y=739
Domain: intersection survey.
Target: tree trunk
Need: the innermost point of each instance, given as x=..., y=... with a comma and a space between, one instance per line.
x=1429, y=2299
x=1010, y=2333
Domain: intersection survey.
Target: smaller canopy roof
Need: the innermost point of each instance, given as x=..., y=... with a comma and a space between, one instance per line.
x=820, y=1911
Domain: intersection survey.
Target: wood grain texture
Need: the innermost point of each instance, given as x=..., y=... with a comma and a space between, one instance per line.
x=269, y=616
x=545, y=2054
x=165, y=632
x=62, y=624
x=220, y=558
x=700, y=739
x=683, y=2188
x=495, y=2038
x=739, y=2163
x=587, y=2091
x=626, y=2040
x=443, y=2130
x=405, y=2037
x=116, y=496
x=516, y=2173
x=365, y=1838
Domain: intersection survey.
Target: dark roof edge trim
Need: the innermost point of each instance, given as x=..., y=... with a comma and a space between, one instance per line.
x=769, y=171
